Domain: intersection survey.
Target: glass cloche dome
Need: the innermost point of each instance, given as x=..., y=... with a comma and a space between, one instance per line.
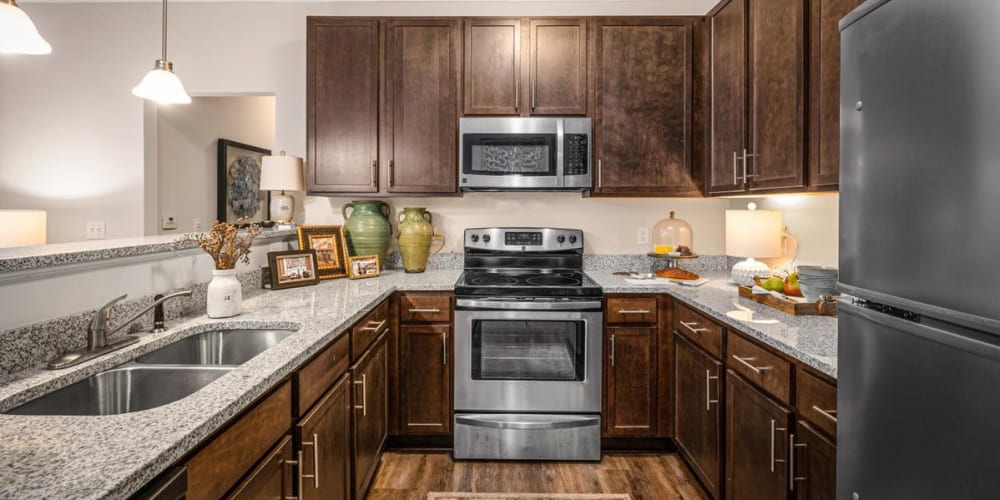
x=673, y=235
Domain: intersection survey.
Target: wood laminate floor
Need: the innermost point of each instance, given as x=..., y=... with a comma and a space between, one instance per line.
x=411, y=475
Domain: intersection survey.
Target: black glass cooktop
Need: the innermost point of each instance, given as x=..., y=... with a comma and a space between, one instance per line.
x=550, y=283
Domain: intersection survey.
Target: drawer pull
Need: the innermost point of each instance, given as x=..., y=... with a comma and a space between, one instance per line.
x=692, y=326
x=775, y=428
x=612, y=350
x=315, y=475
x=746, y=362
x=298, y=477
x=830, y=414
x=431, y=311
x=791, y=462
x=633, y=311
x=364, y=395
x=444, y=349
x=708, y=390
x=378, y=326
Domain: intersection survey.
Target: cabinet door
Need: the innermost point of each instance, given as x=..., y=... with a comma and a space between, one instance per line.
x=824, y=90
x=492, y=66
x=728, y=97
x=342, y=105
x=370, y=380
x=777, y=94
x=757, y=443
x=425, y=379
x=642, y=107
x=698, y=421
x=557, y=71
x=631, y=379
x=815, y=465
x=420, y=116
x=271, y=478
x=324, y=437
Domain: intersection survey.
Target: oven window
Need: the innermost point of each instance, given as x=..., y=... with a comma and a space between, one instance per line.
x=528, y=350
x=509, y=154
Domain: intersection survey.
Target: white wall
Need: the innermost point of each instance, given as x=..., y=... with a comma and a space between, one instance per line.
x=187, y=158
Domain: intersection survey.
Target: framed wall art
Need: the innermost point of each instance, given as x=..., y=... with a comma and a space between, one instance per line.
x=239, y=195
x=363, y=266
x=292, y=268
x=331, y=252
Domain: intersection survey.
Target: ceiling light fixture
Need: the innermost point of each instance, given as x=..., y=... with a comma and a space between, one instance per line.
x=18, y=34
x=161, y=84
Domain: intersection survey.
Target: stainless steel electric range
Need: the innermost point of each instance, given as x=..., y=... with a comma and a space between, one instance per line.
x=528, y=329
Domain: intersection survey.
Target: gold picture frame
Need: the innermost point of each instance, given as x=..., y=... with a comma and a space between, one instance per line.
x=330, y=247
x=363, y=266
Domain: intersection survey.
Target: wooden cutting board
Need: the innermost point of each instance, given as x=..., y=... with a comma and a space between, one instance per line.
x=790, y=306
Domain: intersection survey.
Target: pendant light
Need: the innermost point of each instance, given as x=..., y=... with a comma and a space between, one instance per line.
x=18, y=34
x=161, y=84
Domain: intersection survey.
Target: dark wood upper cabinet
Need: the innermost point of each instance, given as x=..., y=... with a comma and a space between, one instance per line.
x=815, y=465
x=369, y=377
x=824, y=90
x=727, y=136
x=492, y=66
x=630, y=375
x=324, y=436
x=425, y=379
x=697, y=415
x=342, y=105
x=642, y=108
x=420, y=116
x=557, y=66
x=757, y=443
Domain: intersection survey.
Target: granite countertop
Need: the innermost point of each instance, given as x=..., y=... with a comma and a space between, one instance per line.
x=810, y=339
x=71, y=457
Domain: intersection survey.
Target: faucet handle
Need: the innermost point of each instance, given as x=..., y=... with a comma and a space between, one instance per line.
x=103, y=315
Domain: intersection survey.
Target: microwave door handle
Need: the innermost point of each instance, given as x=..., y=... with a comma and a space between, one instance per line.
x=560, y=148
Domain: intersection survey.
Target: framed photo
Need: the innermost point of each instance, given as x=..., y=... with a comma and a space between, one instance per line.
x=364, y=266
x=292, y=268
x=239, y=195
x=331, y=251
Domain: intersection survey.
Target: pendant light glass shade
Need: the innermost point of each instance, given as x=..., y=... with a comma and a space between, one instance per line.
x=18, y=34
x=161, y=84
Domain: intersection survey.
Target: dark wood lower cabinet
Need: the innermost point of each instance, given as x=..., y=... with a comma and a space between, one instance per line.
x=369, y=377
x=697, y=415
x=425, y=379
x=272, y=478
x=324, y=438
x=815, y=464
x=757, y=443
x=630, y=369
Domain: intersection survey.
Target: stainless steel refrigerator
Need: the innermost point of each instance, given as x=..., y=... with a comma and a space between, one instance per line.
x=919, y=354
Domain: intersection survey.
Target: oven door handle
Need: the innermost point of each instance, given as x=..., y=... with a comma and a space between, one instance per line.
x=578, y=305
x=510, y=422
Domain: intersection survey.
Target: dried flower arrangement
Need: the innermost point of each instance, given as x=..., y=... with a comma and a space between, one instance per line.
x=225, y=243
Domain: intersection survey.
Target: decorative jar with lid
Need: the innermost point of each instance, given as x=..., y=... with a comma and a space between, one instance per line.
x=673, y=236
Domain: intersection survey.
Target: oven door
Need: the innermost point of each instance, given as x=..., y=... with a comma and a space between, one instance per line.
x=528, y=356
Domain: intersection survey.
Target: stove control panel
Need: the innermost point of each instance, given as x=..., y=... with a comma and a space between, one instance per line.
x=520, y=239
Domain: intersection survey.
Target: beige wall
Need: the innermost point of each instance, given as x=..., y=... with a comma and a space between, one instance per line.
x=812, y=220
x=187, y=159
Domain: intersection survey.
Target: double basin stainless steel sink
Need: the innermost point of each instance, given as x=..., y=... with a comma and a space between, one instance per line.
x=163, y=376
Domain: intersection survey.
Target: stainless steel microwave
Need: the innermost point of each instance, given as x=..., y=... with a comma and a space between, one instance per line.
x=513, y=154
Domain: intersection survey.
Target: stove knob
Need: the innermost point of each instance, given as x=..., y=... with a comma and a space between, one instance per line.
x=572, y=239
x=486, y=238
x=561, y=238
x=475, y=238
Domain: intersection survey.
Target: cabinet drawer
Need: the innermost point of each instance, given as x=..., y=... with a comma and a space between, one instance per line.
x=229, y=456
x=703, y=332
x=368, y=329
x=759, y=366
x=629, y=310
x=424, y=308
x=816, y=401
x=319, y=374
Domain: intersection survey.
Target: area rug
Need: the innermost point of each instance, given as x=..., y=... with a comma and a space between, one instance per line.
x=435, y=495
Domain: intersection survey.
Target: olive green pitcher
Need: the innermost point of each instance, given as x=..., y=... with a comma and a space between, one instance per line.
x=367, y=228
x=415, y=235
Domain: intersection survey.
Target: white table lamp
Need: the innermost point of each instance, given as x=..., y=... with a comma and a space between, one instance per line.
x=752, y=233
x=281, y=173
x=20, y=228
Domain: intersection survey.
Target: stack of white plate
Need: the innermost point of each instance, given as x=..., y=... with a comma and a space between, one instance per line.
x=817, y=280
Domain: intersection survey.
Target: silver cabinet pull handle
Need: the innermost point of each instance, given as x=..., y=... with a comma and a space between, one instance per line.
x=315, y=475
x=633, y=311
x=746, y=160
x=612, y=350
x=692, y=326
x=374, y=169
x=364, y=395
x=378, y=326
x=708, y=390
x=746, y=362
x=418, y=310
x=392, y=168
x=775, y=428
x=444, y=348
x=791, y=462
x=830, y=414
x=736, y=176
x=517, y=93
x=298, y=477
x=600, y=181
x=291, y=463
x=534, y=88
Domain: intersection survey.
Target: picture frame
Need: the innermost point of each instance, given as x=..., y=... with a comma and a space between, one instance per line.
x=292, y=268
x=238, y=187
x=363, y=266
x=330, y=247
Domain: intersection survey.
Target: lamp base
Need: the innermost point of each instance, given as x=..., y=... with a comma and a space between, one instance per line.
x=743, y=272
x=282, y=208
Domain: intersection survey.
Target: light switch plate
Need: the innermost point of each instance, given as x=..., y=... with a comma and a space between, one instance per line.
x=96, y=229
x=196, y=226
x=168, y=223
x=641, y=235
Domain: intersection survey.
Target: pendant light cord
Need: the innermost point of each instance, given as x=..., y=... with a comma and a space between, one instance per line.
x=164, y=30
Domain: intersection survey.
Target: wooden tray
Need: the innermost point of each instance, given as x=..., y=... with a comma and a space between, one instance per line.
x=790, y=306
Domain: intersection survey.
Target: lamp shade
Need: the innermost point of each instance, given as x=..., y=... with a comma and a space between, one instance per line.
x=19, y=228
x=18, y=34
x=753, y=233
x=162, y=85
x=280, y=173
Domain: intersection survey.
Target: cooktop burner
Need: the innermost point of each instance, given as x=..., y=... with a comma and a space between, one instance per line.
x=526, y=282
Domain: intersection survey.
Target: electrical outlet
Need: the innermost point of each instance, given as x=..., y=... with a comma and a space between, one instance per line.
x=641, y=235
x=196, y=226
x=168, y=223
x=96, y=229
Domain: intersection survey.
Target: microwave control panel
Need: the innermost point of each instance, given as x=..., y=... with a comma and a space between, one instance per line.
x=575, y=155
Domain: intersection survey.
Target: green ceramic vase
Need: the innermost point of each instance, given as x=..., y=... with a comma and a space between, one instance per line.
x=415, y=234
x=367, y=228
